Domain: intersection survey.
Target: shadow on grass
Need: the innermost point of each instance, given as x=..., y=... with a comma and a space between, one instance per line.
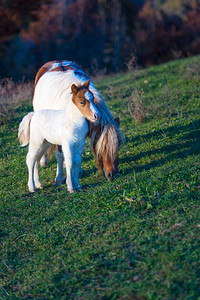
x=193, y=126
x=188, y=144
x=51, y=187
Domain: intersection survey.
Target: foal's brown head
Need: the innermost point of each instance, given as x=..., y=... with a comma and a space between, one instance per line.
x=105, y=147
x=83, y=98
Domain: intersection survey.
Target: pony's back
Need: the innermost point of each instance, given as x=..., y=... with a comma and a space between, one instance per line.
x=53, y=87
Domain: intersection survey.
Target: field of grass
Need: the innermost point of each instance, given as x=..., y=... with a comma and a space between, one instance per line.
x=136, y=237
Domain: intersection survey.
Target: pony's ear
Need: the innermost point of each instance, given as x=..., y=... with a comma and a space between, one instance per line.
x=74, y=89
x=117, y=120
x=87, y=84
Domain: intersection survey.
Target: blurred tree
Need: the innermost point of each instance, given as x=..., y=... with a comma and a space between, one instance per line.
x=91, y=32
x=161, y=36
x=16, y=15
x=98, y=34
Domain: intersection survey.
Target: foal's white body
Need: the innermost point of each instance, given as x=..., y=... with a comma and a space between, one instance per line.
x=66, y=127
x=56, y=127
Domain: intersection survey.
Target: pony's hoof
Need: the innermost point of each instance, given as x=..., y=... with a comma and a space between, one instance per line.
x=32, y=190
x=78, y=187
x=59, y=182
x=71, y=191
x=39, y=186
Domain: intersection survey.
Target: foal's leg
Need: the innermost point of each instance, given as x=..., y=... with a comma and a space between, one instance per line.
x=37, y=147
x=60, y=159
x=43, y=149
x=30, y=161
x=44, y=160
x=68, y=155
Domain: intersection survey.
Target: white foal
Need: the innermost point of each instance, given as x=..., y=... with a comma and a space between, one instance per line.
x=67, y=127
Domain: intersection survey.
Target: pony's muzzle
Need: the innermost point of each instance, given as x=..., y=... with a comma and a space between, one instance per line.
x=95, y=114
x=108, y=175
x=96, y=117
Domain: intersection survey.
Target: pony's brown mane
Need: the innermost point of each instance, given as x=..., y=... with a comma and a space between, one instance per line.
x=106, y=136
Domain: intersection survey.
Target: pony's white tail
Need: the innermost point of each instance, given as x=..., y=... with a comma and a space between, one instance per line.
x=24, y=130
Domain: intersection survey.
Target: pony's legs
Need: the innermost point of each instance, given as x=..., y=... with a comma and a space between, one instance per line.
x=30, y=161
x=37, y=181
x=68, y=155
x=43, y=149
x=44, y=160
x=37, y=147
x=60, y=173
x=77, y=168
x=80, y=171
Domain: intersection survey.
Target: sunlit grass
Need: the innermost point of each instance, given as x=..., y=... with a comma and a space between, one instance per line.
x=134, y=238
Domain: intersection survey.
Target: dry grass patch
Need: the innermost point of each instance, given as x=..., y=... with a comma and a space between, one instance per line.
x=136, y=106
x=12, y=95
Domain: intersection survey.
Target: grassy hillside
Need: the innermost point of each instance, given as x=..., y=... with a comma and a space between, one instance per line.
x=134, y=238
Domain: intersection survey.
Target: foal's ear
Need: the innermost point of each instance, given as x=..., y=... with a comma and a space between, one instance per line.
x=117, y=120
x=87, y=84
x=74, y=89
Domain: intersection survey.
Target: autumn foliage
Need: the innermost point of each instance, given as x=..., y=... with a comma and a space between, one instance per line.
x=101, y=35
x=162, y=37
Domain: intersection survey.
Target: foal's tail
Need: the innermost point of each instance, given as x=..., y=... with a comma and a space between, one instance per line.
x=24, y=130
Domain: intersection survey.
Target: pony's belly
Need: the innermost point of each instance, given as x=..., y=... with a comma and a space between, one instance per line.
x=57, y=133
x=52, y=137
x=53, y=141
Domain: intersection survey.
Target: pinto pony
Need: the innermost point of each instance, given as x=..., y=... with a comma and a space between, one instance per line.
x=51, y=90
x=67, y=127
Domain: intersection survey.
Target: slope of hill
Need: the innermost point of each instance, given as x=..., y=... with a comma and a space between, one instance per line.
x=136, y=237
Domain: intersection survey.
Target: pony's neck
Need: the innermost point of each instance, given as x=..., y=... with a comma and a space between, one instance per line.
x=73, y=113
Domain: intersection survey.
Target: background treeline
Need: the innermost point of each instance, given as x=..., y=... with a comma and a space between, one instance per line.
x=101, y=35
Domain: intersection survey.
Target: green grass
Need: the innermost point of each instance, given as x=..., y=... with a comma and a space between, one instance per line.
x=134, y=238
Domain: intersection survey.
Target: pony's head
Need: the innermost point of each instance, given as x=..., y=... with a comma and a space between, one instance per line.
x=83, y=98
x=105, y=146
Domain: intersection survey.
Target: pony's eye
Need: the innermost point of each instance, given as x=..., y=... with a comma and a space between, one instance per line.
x=82, y=102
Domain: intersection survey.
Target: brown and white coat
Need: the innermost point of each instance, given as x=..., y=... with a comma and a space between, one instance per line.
x=52, y=89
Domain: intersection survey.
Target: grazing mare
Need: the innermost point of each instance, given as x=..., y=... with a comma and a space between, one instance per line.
x=52, y=85
x=67, y=127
